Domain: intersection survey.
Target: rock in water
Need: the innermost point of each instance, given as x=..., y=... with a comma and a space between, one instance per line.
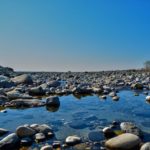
x=23, y=131
x=96, y=136
x=125, y=141
x=53, y=101
x=9, y=142
x=23, y=79
x=72, y=140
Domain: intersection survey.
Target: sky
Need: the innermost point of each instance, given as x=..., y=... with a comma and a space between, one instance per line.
x=74, y=35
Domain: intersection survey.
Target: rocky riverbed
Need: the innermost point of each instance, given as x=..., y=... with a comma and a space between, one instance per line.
x=25, y=91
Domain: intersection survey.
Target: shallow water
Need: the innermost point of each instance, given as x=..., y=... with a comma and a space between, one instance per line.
x=81, y=116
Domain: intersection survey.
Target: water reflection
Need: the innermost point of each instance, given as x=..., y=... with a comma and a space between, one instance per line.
x=82, y=114
x=80, y=96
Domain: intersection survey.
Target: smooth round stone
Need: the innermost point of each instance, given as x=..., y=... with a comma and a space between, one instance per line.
x=72, y=140
x=115, y=98
x=76, y=124
x=146, y=146
x=125, y=141
x=40, y=137
x=95, y=136
x=26, y=142
x=47, y=147
x=90, y=118
x=23, y=131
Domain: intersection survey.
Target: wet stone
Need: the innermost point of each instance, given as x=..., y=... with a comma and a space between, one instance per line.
x=77, y=124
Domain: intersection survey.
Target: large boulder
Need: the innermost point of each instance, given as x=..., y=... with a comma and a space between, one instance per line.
x=22, y=79
x=9, y=142
x=52, y=101
x=36, y=91
x=23, y=131
x=126, y=141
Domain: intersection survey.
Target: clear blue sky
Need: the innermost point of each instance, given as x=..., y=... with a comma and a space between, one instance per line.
x=76, y=35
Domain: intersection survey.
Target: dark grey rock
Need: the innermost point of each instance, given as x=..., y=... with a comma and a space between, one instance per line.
x=9, y=142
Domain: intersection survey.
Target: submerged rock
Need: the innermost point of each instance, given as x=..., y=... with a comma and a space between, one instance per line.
x=77, y=124
x=95, y=136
